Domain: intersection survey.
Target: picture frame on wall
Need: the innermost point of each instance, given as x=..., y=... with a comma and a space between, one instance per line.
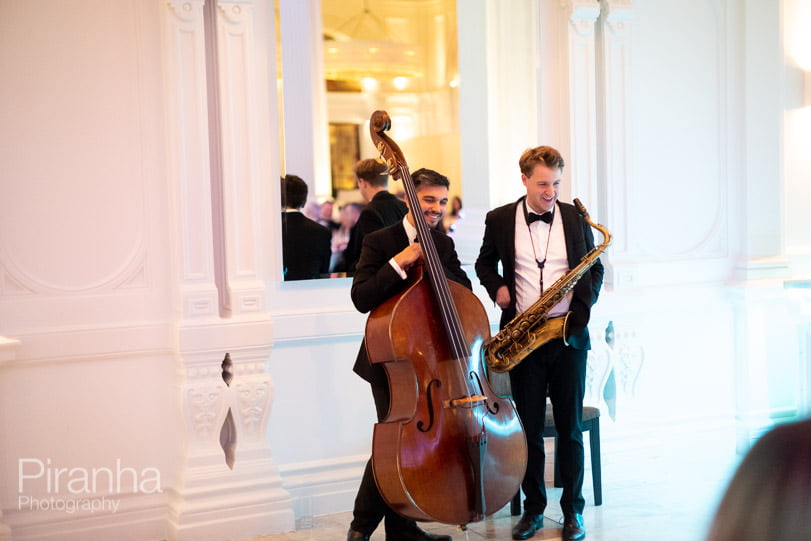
x=344, y=150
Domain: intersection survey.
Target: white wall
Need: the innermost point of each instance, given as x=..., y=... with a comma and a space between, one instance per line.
x=109, y=294
x=85, y=283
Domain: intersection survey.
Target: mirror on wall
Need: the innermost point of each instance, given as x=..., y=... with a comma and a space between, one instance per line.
x=391, y=55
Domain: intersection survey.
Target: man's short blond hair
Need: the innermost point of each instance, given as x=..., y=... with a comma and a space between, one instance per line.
x=543, y=155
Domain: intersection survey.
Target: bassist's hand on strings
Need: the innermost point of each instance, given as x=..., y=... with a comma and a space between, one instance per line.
x=409, y=256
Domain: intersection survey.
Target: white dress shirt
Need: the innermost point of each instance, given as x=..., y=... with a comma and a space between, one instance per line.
x=549, y=243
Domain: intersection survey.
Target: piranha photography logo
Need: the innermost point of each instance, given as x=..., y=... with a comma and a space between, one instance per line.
x=78, y=489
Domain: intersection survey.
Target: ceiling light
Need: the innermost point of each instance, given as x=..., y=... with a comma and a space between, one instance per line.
x=364, y=47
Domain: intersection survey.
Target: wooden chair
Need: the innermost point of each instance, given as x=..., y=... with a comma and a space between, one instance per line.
x=591, y=424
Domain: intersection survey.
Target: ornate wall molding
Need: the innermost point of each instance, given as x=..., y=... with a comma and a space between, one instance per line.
x=189, y=167
x=613, y=67
x=243, y=189
x=129, y=273
x=224, y=335
x=186, y=10
x=580, y=67
x=617, y=14
x=235, y=12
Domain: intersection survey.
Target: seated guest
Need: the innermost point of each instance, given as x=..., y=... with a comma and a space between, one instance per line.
x=306, y=244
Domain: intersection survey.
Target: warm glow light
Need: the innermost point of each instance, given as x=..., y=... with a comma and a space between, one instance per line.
x=373, y=50
x=369, y=84
x=332, y=50
x=400, y=82
x=797, y=37
x=410, y=53
x=402, y=127
x=453, y=83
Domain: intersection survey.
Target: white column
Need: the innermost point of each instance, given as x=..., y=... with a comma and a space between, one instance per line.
x=473, y=91
x=244, y=191
x=306, y=135
x=613, y=152
x=763, y=254
x=767, y=345
x=187, y=128
x=580, y=45
x=498, y=107
x=227, y=485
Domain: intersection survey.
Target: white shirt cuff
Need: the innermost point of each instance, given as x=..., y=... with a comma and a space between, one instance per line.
x=397, y=269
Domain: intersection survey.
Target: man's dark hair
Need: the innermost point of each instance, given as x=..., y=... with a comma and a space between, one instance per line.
x=429, y=177
x=372, y=171
x=294, y=192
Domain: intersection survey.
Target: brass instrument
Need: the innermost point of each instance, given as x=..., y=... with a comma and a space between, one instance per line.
x=532, y=328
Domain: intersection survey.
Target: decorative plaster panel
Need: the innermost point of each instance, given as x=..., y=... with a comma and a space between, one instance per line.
x=83, y=215
x=678, y=128
x=73, y=214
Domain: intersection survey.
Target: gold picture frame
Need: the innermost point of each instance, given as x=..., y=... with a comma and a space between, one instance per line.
x=344, y=152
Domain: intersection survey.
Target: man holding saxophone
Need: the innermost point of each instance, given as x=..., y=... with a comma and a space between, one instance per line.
x=537, y=240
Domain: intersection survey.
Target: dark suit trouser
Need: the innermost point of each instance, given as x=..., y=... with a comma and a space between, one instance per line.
x=370, y=508
x=563, y=370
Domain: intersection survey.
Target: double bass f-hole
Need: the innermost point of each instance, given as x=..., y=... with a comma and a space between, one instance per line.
x=430, y=402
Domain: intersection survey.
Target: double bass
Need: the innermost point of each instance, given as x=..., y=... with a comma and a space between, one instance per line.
x=450, y=449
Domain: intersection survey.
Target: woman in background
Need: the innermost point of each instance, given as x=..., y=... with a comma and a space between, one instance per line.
x=454, y=214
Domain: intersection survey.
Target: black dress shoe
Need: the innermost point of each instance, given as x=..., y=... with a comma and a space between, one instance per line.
x=527, y=526
x=417, y=535
x=573, y=527
x=355, y=535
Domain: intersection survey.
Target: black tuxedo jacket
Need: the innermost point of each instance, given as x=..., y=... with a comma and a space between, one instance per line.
x=382, y=211
x=376, y=280
x=307, y=247
x=498, y=246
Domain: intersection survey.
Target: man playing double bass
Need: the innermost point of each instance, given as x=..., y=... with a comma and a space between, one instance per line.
x=385, y=257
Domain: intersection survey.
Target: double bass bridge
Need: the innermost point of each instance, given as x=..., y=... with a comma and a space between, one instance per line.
x=465, y=402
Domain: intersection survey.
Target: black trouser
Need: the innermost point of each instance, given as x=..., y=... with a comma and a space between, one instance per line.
x=370, y=508
x=562, y=370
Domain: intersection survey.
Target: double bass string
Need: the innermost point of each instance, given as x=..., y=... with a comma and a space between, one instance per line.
x=451, y=321
x=478, y=450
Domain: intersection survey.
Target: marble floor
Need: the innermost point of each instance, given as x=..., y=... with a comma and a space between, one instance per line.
x=665, y=489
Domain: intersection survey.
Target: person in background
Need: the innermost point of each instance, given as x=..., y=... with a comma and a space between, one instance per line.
x=384, y=208
x=348, y=215
x=527, y=246
x=381, y=272
x=769, y=496
x=306, y=244
x=325, y=215
x=453, y=215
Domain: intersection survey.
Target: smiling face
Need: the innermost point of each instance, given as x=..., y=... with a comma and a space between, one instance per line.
x=433, y=200
x=543, y=187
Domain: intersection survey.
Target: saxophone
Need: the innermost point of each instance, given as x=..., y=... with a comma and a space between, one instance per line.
x=532, y=328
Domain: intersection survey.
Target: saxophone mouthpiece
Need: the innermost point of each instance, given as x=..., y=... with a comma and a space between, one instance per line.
x=580, y=208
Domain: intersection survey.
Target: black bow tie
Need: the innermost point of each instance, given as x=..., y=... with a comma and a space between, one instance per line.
x=533, y=217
